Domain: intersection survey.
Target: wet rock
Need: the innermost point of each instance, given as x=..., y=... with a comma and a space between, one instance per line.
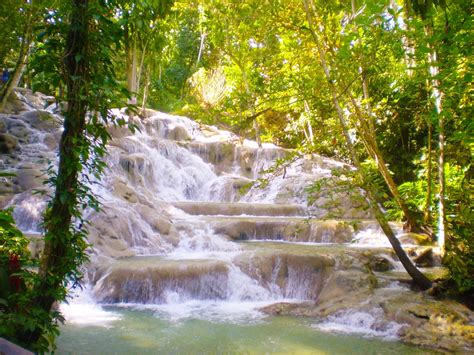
x=8, y=143
x=220, y=154
x=42, y=120
x=29, y=178
x=446, y=325
x=282, y=228
x=283, y=308
x=425, y=258
x=125, y=192
x=35, y=100
x=14, y=104
x=156, y=217
x=151, y=280
x=414, y=238
x=179, y=133
x=118, y=132
x=147, y=113
x=235, y=209
x=36, y=244
x=51, y=141
x=297, y=276
x=379, y=263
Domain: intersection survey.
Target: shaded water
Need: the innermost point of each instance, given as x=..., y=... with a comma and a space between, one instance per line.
x=147, y=332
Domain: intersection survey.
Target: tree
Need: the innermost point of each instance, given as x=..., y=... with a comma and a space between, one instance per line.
x=312, y=17
x=90, y=89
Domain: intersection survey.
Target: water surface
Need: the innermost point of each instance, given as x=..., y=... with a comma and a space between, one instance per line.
x=152, y=332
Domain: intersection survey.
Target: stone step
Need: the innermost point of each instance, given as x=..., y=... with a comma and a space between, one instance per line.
x=150, y=280
x=239, y=208
x=250, y=275
x=292, y=229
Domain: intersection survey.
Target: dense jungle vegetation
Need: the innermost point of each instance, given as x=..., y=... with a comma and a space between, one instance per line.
x=384, y=85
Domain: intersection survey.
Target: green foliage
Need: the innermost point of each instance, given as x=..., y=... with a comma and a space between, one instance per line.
x=414, y=193
x=17, y=287
x=460, y=220
x=94, y=89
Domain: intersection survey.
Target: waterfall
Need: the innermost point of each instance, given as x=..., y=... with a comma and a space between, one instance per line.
x=181, y=215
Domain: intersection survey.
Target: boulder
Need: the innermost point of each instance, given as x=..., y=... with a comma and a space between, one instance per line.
x=424, y=258
x=414, y=239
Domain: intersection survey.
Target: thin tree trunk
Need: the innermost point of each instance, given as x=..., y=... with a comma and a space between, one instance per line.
x=256, y=126
x=145, y=89
x=56, y=259
x=140, y=68
x=437, y=96
x=409, y=54
x=308, y=122
x=421, y=280
x=22, y=59
x=131, y=58
x=367, y=135
x=201, y=49
x=367, y=129
x=427, y=211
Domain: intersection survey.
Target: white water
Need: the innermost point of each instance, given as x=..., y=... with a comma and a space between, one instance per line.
x=82, y=310
x=367, y=323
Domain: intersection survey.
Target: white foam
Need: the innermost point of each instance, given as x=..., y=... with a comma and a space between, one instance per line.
x=214, y=311
x=82, y=310
x=361, y=322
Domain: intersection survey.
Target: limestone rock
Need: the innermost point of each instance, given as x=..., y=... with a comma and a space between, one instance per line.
x=379, y=263
x=425, y=258
x=282, y=308
x=29, y=178
x=414, y=238
x=42, y=120
x=179, y=133
x=8, y=143
x=125, y=192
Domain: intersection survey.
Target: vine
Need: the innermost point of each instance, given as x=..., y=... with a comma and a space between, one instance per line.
x=78, y=42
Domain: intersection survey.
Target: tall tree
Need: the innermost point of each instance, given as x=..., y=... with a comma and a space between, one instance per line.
x=90, y=90
x=316, y=27
x=424, y=9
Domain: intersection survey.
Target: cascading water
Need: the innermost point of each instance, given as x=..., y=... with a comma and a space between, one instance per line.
x=179, y=223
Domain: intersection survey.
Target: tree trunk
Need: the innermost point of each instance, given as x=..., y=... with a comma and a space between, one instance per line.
x=58, y=254
x=22, y=59
x=367, y=134
x=421, y=280
x=256, y=128
x=310, y=137
x=145, y=88
x=201, y=49
x=437, y=96
x=250, y=105
x=131, y=59
x=427, y=211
